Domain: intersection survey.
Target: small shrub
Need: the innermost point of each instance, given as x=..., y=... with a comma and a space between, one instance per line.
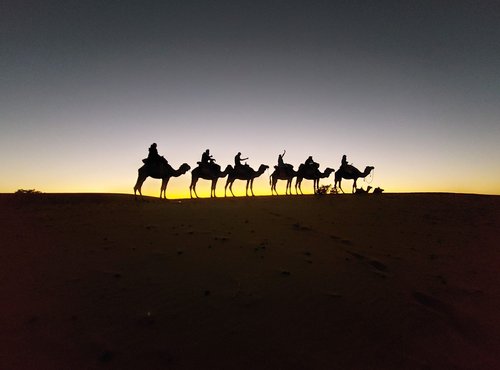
x=323, y=189
x=28, y=192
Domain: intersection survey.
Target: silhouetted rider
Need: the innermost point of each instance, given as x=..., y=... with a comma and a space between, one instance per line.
x=282, y=165
x=238, y=159
x=206, y=158
x=280, y=159
x=153, y=156
x=344, y=163
x=310, y=162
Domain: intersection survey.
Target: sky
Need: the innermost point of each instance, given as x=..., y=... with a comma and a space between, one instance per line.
x=409, y=87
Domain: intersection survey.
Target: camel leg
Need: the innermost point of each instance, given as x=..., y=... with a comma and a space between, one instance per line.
x=251, y=187
x=192, y=187
x=298, y=184
x=225, y=187
x=212, y=190
x=231, y=188
x=138, y=185
x=162, y=187
x=340, y=185
x=246, y=188
x=354, y=186
x=164, y=184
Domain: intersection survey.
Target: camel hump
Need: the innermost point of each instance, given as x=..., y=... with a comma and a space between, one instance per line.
x=350, y=169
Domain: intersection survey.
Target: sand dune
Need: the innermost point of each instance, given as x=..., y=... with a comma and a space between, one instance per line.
x=301, y=282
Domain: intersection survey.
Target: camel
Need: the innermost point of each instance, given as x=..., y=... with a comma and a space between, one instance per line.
x=161, y=171
x=244, y=173
x=310, y=173
x=208, y=172
x=286, y=173
x=350, y=172
x=362, y=191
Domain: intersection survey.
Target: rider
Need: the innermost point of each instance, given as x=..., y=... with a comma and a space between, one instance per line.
x=282, y=165
x=344, y=161
x=238, y=159
x=310, y=162
x=153, y=156
x=206, y=158
x=280, y=159
x=344, y=165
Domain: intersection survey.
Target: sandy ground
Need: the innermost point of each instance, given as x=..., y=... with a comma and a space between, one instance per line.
x=300, y=282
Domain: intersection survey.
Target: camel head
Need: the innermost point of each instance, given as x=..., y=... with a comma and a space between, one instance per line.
x=184, y=168
x=369, y=169
x=263, y=168
x=328, y=171
x=226, y=171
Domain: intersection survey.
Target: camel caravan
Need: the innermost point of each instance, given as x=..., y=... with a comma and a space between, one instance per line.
x=157, y=167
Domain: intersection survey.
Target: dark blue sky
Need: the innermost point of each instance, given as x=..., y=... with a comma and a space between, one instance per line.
x=389, y=83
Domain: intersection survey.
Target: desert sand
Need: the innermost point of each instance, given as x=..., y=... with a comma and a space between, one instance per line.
x=91, y=281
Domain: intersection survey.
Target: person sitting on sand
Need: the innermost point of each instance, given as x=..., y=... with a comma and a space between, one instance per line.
x=238, y=159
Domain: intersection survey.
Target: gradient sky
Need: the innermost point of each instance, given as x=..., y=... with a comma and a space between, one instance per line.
x=410, y=87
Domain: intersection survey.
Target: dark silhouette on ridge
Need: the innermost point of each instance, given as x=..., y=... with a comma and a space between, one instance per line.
x=160, y=170
x=207, y=170
x=349, y=172
x=310, y=171
x=309, y=162
x=238, y=159
x=362, y=191
x=343, y=162
x=283, y=171
x=206, y=158
x=280, y=159
x=153, y=156
x=244, y=173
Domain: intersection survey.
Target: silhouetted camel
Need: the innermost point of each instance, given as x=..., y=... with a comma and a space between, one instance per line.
x=362, y=191
x=207, y=172
x=350, y=172
x=282, y=173
x=243, y=173
x=378, y=190
x=162, y=171
x=310, y=173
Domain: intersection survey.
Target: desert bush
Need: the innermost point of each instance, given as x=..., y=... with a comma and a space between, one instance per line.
x=30, y=191
x=323, y=189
